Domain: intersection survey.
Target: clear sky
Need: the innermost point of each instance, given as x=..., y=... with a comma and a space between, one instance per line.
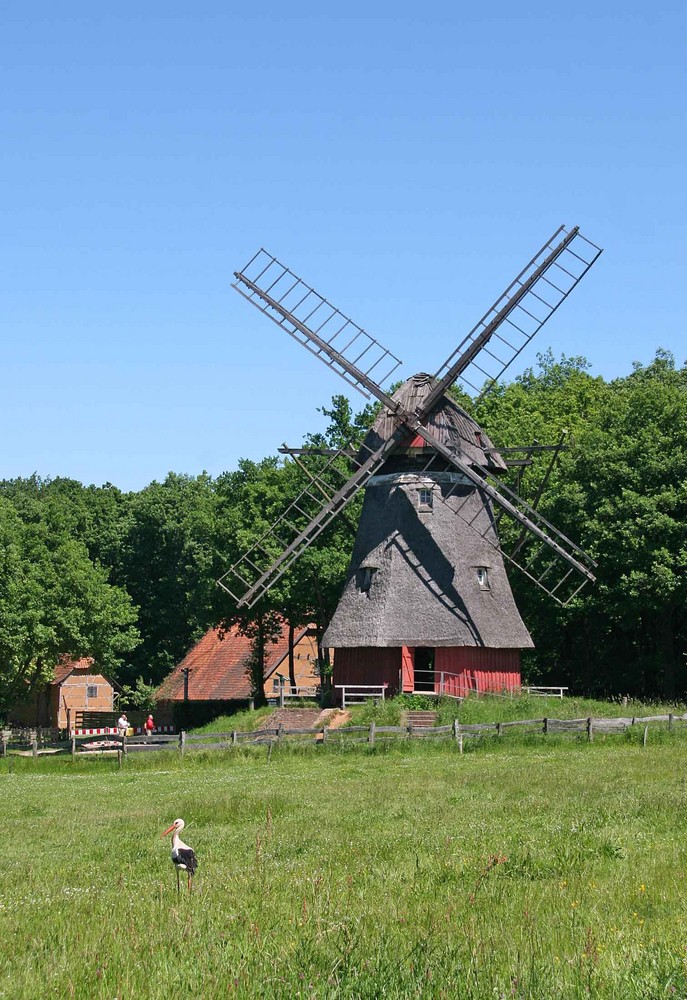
x=405, y=159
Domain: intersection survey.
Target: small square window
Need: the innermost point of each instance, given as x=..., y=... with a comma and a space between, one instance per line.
x=426, y=499
x=91, y=691
x=483, y=578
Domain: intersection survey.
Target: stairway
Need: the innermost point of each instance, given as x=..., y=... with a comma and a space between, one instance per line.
x=420, y=719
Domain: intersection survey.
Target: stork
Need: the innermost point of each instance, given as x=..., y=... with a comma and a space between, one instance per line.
x=183, y=857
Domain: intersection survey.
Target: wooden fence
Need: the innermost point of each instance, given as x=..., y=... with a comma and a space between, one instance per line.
x=36, y=741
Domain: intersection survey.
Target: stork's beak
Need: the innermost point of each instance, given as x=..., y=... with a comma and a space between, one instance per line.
x=172, y=827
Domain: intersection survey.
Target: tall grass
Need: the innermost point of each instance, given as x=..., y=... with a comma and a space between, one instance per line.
x=495, y=708
x=244, y=721
x=555, y=871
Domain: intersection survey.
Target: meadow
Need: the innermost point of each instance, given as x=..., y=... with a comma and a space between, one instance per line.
x=555, y=870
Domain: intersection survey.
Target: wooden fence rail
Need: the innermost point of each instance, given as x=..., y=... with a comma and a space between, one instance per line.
x=26, y=741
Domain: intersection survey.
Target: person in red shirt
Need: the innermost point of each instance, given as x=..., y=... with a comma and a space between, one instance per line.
x=149, y=726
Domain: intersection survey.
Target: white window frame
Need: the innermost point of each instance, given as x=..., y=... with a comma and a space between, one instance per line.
x=425, y=498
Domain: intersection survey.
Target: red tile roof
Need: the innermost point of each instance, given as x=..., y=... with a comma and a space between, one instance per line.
x=67, y=666
x=217, y=665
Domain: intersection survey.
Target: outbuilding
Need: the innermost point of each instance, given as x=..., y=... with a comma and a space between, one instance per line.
x=76, y=687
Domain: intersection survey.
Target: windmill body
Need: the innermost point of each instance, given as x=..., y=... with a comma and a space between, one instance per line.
x=427, y=604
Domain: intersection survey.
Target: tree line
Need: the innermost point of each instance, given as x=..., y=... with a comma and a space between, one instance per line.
x=130, y=578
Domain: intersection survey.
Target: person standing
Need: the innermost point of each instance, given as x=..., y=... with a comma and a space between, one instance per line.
x=149, y=726
x=122, y=725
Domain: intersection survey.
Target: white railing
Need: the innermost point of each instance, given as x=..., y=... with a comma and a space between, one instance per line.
x=301, y=691
x=545, y=692
x=355, y=694
x=443, y=683
x=285, y=690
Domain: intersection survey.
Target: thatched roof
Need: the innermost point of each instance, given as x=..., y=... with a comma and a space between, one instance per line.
x=422, y=570
x=447, y=421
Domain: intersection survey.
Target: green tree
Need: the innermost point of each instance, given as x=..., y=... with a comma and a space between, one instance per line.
x=619, y=491
x=54, y=600
x=167, y=563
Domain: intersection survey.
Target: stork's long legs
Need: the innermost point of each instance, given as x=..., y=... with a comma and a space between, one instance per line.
x=189, y=881
x=178, y=884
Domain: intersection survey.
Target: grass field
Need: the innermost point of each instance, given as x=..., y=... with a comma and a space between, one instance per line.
x=494, y=708
x=555, y=870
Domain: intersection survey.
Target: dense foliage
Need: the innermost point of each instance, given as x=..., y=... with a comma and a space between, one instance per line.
x=130, y=578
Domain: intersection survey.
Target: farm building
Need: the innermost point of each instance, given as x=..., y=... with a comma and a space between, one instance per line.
x=215, y=670
x=76, y=687
x=427, y=605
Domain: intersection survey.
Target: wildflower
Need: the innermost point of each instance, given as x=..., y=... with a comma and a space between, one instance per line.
x=642, y=888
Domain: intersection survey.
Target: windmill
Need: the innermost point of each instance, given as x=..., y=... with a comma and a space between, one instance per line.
x=427, y=602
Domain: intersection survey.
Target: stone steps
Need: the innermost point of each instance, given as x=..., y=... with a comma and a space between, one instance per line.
x=415, y=717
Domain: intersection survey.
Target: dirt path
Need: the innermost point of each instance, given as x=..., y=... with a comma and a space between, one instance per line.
x=305, y=718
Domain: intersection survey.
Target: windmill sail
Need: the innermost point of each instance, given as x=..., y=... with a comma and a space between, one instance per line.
x=518, y=314
x=555, y=563
x=316, y=324
x=260, y=568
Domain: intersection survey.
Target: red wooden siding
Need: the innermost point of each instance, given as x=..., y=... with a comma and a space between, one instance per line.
x=465, y=668
x=368, y=665
x=474, y=668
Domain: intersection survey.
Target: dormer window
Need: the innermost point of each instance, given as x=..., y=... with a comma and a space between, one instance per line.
x=425, y=500
x=483, y=578
x=366, y=573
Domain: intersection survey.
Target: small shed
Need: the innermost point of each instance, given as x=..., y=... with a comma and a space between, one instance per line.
x=76, y=687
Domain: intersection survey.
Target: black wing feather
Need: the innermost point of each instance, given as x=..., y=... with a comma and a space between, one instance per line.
x=186, y=858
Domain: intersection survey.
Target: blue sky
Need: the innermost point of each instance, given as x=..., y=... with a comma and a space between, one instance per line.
x=406, y=160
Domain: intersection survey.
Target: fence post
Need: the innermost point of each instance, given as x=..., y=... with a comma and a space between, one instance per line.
x=280, y=731
x=646, y=735
x=4, y=743
x=498, y=728
x=73, y=747
x=546, y=726
x=371, y=738
x=670, y=720
x=182, y=742
x=281, y=694
x=590, y=729
x=34, y=744
x=124, y=744
x=234, y=737
x=441, y=682
x=324, y=734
